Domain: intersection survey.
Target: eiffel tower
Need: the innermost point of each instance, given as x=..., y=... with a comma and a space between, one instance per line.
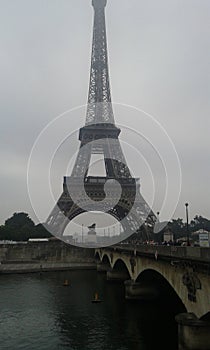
x=100, y=135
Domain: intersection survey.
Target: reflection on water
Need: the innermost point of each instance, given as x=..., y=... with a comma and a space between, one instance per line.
x=39, y=313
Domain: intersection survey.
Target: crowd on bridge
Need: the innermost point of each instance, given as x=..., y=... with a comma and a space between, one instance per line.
x=165, y=243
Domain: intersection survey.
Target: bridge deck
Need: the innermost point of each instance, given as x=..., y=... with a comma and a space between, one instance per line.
x=176, y=254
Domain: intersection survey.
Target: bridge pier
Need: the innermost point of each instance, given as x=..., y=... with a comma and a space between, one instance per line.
x=102, y=267
x=193, y=333
x=116, y=275
x=139, y=291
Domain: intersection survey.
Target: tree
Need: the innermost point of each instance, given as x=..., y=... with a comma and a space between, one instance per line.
x=177, y=227
x=20, y=227
x=41, y=232
x=18, y=221
x=199, y=222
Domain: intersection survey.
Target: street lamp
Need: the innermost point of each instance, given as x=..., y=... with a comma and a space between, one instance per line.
x=158, y=235
x=188, y=238
x=82, y=233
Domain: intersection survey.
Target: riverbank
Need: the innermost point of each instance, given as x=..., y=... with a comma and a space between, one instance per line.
x=44, y=256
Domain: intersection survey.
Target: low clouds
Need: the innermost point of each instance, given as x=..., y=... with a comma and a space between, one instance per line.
x=159, y=62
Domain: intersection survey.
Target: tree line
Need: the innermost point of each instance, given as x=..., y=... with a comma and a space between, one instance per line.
x=20, y=227
x=179, y=228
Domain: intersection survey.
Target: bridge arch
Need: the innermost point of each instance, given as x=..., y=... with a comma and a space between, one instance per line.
x=106, y=260
x=97, y=256
x=121, y=265
x=165, y=289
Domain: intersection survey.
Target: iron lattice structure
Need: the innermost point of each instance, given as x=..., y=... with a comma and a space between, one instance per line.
x=100, y=136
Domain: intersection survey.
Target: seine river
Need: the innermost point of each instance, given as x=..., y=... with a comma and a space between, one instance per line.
x=38, y=313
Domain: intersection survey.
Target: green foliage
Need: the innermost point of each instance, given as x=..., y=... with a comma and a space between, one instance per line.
x=200, y=222
x=179, y=228
x=20, y=227
x=18, y=221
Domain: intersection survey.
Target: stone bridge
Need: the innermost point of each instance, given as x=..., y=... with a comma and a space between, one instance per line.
x=152, y=272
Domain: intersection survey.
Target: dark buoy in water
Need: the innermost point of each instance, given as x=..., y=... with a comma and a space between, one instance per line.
x=96, y=299
x=66, y=283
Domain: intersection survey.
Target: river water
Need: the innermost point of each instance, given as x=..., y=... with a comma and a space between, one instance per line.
x=38, y=313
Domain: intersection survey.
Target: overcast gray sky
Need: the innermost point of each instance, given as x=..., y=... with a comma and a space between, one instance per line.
x=159, y=54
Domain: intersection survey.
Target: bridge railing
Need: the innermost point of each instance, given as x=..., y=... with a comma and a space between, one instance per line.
x=192, y=253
